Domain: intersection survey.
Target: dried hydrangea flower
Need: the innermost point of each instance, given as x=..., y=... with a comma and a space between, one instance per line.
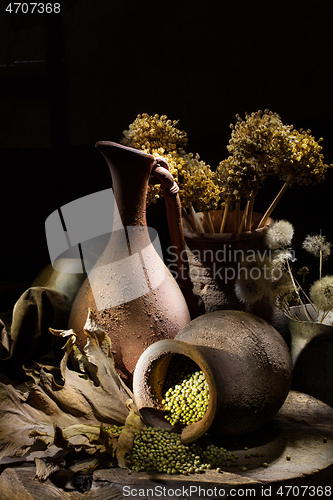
x=276, y=149
x=159, y=136
x=318, y=246
x=321, y=293
x=154, y=134
x=279, y=235
x=307, y=161
x=197, y=185
x=238, y=178
x=262, y=137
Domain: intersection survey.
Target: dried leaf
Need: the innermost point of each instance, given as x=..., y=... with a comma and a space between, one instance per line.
x=126, y=439
x=65, y=408
x=98, y=353
x=16, y=419
x=47, y=466
x=86, y=465
x=83, y=437
x=4, y=341
x=39, y=400
x=102, y=397
x=92, y=432
x=109, y=441
x=94, y=331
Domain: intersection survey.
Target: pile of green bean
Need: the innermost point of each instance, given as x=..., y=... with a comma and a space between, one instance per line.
x=160, y=450
x=114, y=429
x=186, y=392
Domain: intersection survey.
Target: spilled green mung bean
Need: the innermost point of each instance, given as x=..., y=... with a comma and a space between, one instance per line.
x=115, y=429
x=159, y=450
x=186, y=392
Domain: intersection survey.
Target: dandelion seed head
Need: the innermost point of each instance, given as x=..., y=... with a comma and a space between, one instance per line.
x=287, y=300
x=248, y=291
x=283, y=284
x=282, y=291
x=281, y=258
x=252, y=283
x=317, y=244
x=279, y=235
x=321, y=293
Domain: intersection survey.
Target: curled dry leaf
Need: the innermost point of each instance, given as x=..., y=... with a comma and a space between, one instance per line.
x=102, y=396
x=133, y=423
x=70, y=410
x=109, y=441
x=46, y=467
x=17, y=417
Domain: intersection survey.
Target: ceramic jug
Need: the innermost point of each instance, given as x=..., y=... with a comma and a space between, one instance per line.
x=135, y=297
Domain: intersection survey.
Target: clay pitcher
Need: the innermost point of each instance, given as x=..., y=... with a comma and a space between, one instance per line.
x=134, y=296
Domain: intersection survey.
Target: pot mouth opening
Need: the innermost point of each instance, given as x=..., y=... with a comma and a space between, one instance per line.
x=229, y=232
x=115, y=145
x=161, y=371
x=300, y=315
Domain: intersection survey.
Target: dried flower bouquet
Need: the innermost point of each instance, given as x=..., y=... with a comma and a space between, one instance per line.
x=260, y=146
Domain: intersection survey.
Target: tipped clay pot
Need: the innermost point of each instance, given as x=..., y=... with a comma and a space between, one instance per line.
x=247, y=365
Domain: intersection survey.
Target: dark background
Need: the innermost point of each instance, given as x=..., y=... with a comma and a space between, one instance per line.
x=71, y=79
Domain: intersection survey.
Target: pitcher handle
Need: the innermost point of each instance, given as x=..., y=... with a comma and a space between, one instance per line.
x=161, y=172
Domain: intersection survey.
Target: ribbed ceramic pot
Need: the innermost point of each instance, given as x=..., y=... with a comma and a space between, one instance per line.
x=215, y=258
x=247, y=366
x=312, y=355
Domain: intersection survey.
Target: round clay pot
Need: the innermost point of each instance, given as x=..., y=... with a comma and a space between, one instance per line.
x=247, y=366
x=312, y=353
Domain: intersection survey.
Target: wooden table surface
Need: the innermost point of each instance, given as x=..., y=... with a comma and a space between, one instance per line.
x=297, y=445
